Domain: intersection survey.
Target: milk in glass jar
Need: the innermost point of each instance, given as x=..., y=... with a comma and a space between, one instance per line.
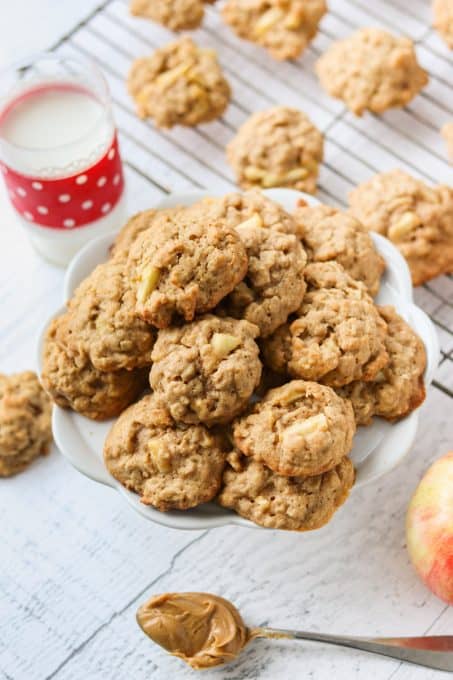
x=59, y=153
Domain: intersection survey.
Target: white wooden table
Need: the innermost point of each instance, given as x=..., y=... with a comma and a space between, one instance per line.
x=74, y=561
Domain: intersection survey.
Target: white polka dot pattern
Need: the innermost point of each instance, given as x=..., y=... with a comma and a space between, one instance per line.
x=68, y=202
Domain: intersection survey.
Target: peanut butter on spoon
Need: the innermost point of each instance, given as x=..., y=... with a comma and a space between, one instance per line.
x=203, y=630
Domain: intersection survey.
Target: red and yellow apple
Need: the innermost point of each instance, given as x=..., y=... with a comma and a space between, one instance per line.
x=429, y=528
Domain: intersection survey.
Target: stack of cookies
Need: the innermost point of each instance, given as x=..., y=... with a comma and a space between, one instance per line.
x=257, y=333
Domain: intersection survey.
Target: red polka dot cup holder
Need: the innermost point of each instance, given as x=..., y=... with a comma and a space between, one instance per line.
x=69, y=202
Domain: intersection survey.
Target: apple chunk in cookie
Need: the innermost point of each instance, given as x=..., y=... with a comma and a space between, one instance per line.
x=206, y=371
x=301, y=428
x=172, y=467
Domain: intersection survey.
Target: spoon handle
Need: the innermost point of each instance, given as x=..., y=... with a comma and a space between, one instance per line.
x=434, y=651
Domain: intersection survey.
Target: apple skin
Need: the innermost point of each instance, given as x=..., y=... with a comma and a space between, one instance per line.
x=429, y=528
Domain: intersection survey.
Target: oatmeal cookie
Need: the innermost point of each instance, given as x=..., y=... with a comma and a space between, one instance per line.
x=443, y=20
x=206, y=371
x=275, y=269
x=185, y=265
x=299, y=429
x=416, y=217
x=279, y=147
x=337, y=335
x=179, y=84
x=330, y=234
x=274, y=284
x=101, y=324
x=25, y=430
x=73, y=382
x=277, y=502
x=170, y=466
x=177, y=15
x=371, y=70
x=284, y=27
x=447, y=134
x=398, y=388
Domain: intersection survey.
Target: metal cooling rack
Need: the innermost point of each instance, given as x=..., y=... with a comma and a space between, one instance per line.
x=159, y=162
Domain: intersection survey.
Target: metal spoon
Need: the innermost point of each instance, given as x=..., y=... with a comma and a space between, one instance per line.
x=434, y=651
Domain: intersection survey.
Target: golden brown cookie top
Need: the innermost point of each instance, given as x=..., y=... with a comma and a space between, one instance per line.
x=206, y=371
x=185, y=265
x=25, y=428
x=283, y=27
x=179, y=84
x=301, y=428
x=177, y=15
x=279, y=147
x=73, y=382
x=398, y=388
x=202, y=629
x=277, y=502
x=102, y=325
x=138, y=223
x=418, y=219
x=330, y=234
x=335, y=335
x=170, y=466
x=371, y=69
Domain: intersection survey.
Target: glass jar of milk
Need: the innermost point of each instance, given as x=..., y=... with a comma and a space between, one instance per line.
x=59, y=153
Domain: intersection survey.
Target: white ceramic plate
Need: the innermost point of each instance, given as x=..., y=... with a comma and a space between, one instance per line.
x=377, y=448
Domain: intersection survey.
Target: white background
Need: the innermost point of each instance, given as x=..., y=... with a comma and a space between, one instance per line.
x=75, y=562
